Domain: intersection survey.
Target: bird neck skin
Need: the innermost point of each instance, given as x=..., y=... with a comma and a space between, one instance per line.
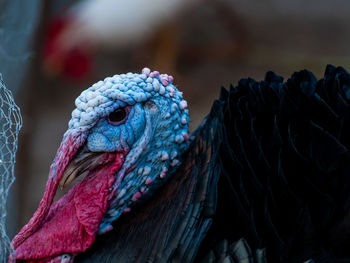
x=146, y=165
x=124, y=191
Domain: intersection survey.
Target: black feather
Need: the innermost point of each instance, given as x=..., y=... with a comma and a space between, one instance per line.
x=283, y=158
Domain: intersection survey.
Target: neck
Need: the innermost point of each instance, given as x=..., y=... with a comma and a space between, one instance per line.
x=146, y=166
x=153, y=231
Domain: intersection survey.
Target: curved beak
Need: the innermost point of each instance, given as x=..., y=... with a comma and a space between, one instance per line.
x=71, y=142
x=82, y=163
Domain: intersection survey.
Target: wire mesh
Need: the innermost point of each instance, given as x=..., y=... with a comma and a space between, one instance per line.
x=10, y=124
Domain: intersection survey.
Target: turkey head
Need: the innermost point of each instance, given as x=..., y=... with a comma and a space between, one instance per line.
x=124, y=135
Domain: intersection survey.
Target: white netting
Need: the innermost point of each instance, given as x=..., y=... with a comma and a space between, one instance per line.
x=10, y=124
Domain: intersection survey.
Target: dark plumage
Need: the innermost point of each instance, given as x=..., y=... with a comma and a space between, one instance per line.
x=285, y=164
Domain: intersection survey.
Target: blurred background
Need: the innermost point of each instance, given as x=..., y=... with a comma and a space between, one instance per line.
x=51, y=50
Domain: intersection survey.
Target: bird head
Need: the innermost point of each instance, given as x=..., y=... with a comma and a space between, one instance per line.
x=125, y=134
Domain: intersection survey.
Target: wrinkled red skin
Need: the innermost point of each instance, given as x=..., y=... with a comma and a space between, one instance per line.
x=71, y=224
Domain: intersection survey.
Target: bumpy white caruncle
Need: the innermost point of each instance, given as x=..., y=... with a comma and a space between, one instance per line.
x=100, y=99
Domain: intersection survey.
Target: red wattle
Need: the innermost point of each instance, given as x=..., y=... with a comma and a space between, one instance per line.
x=71, y=224
x=73, y=221
x=69, y=146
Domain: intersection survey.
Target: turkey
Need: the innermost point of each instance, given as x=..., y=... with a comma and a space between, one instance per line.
x=267, y=167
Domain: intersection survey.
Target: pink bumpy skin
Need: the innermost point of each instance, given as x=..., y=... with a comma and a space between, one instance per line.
x=70, y=224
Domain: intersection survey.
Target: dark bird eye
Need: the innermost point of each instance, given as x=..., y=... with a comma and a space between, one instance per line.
x=117, y=116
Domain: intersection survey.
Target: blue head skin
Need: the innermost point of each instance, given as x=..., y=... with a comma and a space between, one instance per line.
x=143, y=115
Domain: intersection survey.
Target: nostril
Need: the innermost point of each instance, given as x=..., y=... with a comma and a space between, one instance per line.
x=66, y=258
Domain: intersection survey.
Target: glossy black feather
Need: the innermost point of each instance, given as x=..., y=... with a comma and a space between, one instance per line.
x=284, y=180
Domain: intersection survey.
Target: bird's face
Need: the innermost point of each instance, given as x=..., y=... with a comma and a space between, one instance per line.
x=125, y=134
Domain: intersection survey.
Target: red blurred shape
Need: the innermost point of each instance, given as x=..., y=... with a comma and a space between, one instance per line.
x=74, y=63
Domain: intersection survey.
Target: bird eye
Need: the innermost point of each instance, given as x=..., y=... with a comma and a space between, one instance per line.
x=117, y=116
